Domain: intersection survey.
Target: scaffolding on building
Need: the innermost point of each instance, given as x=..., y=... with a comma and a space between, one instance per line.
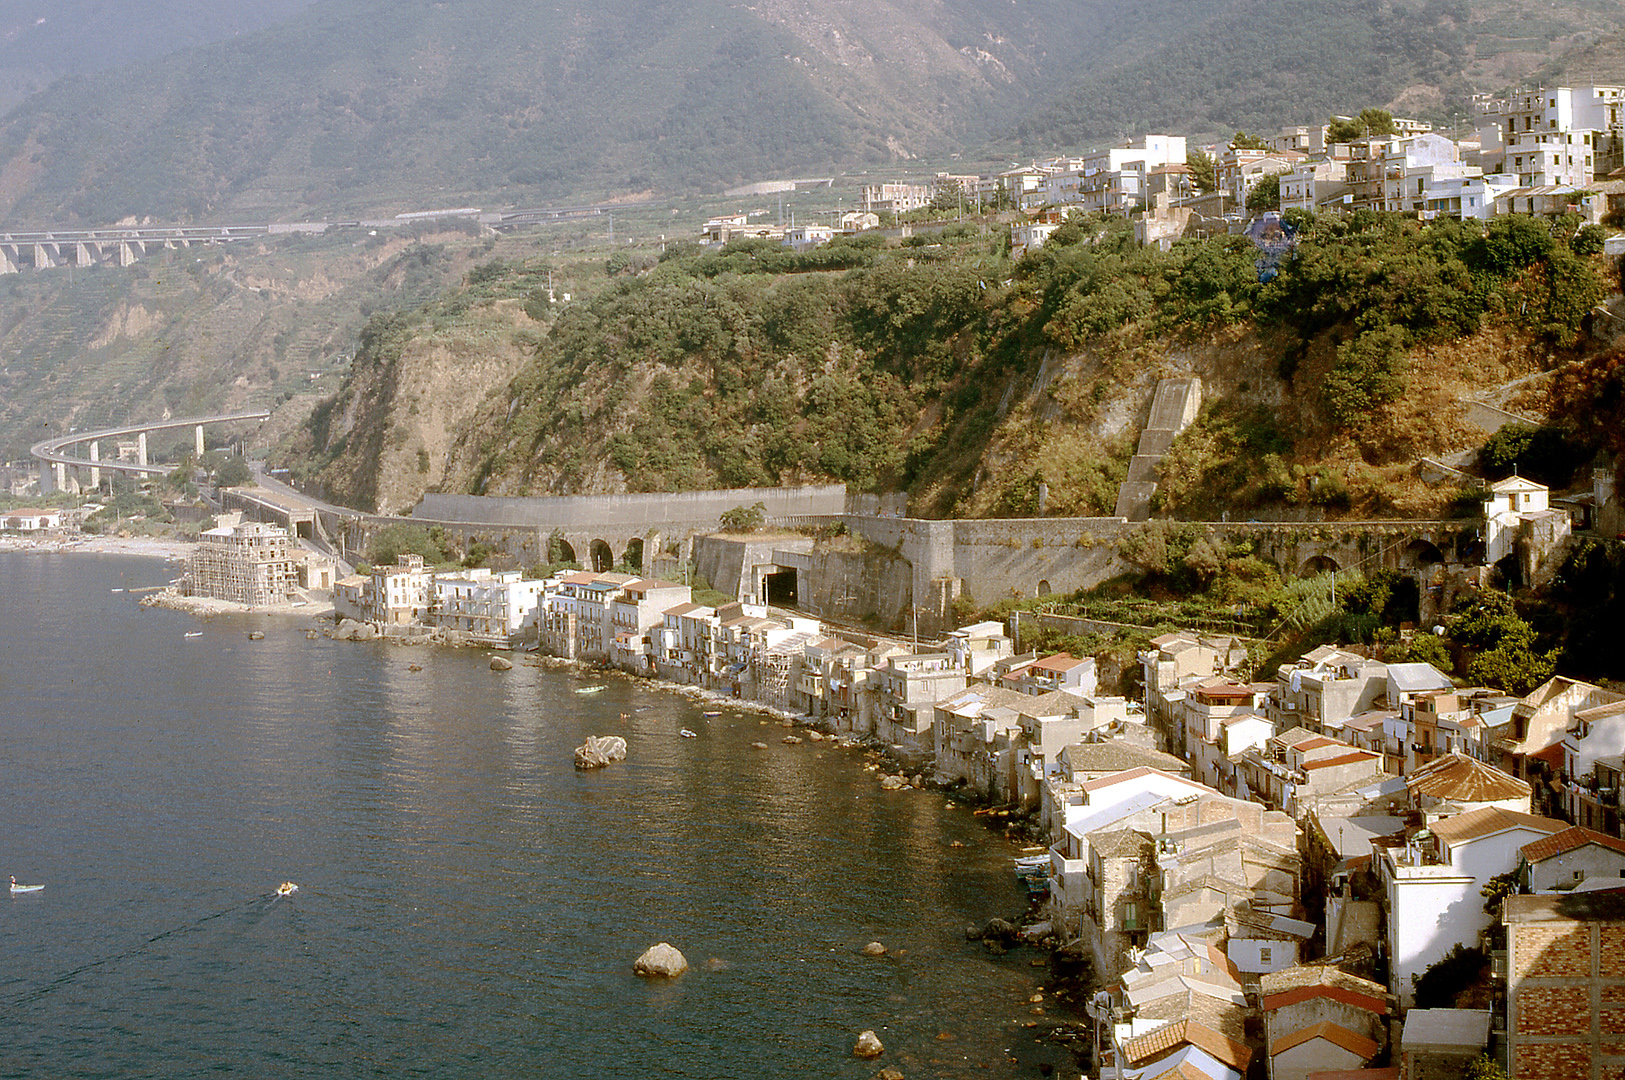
x=249, y=564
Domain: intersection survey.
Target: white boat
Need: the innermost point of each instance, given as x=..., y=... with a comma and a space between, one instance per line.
x=588, y=689
x=687, y=734
x=287, y=888
x=194, y=633
x=16, y=888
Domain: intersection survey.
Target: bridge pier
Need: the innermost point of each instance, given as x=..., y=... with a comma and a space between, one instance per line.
x=8, y=259
x=95, y=473
x=200, y=441
x=61, y=477
x=141, y=448
x=126, y=254
x=42, y=258
x=81, y=254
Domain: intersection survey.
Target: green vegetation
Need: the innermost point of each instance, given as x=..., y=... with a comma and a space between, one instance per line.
x=1459, y=971
x=1368, y=122
x=393, y=541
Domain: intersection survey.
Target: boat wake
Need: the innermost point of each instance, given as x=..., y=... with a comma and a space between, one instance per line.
x=255, y=908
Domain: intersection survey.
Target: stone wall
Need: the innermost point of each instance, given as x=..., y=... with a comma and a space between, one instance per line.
x=634, y=512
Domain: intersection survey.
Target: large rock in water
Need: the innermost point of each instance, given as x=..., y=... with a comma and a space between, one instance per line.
x=660, y=962
x=868, y=1045
x=600, y=750
x=501, y=663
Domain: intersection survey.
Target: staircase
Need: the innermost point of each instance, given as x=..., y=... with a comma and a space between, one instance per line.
x=1175, y=405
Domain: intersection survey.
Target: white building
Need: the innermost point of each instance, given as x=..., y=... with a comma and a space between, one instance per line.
x=1434, y=881
x=498, y=606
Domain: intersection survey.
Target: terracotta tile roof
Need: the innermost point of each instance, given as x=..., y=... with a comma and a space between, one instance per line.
x=1135, y=774
x=1314, y=743
x=1059, y=662
x=1276, y=982
x=1115, y=755
x=1459, y=778
x=1489, y=820
x=1157, y=1043
x=1119, y=843
x=1566, y=841
x=1390, y=1073
x=1601, y=712
x=1342, y=759
x=1331, y=993
x=1335, y=1034
x=1185, y=1070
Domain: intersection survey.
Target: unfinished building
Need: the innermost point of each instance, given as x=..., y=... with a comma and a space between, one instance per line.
x=249, y=563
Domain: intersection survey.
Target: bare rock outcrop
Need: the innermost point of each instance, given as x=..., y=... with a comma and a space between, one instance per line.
x=660, y=961
x=600, y=750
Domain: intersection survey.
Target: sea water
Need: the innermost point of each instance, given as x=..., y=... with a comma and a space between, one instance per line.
x=469, y=904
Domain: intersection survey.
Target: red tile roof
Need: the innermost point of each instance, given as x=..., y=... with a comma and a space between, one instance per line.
x=1567, y=840
x=1171, y=1037
x=1333, y=993
x=1343, y=759
x=1489, y=820
x=1459, y=778
x=1336, y=1034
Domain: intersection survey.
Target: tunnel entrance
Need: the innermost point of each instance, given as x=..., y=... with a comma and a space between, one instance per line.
x=781, y=588
x=603, y=557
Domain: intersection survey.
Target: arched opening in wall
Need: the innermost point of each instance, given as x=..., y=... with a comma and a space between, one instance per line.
x=781, y=588
x=560, y=551
x=633, y=555
x=1316, y=565
x=602, y=555
x=1044, y=589
x=1421, y=554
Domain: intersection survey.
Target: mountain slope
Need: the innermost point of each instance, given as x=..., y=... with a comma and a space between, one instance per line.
x=360, y=104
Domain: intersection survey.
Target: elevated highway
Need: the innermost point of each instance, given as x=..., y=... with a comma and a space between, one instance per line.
x=55, y=460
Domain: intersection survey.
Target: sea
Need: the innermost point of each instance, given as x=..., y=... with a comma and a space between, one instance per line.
x=469, y=904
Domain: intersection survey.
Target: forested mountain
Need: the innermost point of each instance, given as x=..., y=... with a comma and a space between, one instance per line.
x=355, y=106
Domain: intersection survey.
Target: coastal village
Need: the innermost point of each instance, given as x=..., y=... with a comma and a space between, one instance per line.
x=1343, y=867
x=1544, y=151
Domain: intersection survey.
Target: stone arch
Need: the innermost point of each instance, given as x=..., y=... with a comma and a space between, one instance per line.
x=559, y=550
x=633, y=555
x=1421, y=554
x=1043, y=587
x=1318, y=564
x=602, y=556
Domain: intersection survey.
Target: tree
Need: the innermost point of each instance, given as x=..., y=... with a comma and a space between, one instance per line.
x=1244, y=141
x=743, y=519
x=1483, y=1067
x=1266, y=194
x=1459, y=969
x=1370, y=122
x=399, y=539
x=1204, y=170
x=233, y=472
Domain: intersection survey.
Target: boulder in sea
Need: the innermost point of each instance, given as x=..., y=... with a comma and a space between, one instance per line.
x=256, y=635
x=600, y=750
x=660, y=961
x=868, y=1045
x=889, y=1073
x=759, y=745
x=891, y=783
x=501, y=663
x=792, y=740
x=874, y=948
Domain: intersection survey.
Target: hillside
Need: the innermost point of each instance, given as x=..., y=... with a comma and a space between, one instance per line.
x=359, y=105
x=939, y=368
x=249, y=325
x=355, y=107
x=1260, y=64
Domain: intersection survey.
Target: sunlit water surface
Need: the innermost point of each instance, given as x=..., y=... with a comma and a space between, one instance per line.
x=469, y=904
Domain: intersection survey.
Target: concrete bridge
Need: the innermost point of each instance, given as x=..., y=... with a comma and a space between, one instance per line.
x=114, y=247
x=55, y=460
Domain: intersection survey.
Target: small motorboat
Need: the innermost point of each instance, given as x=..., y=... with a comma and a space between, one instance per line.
x=16, y=889
x=194, y=633
x=714, y=712
x=687, y=734
x=287, y=888
x=588, y=689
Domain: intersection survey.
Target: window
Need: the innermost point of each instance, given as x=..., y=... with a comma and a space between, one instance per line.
x=1264, y=954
